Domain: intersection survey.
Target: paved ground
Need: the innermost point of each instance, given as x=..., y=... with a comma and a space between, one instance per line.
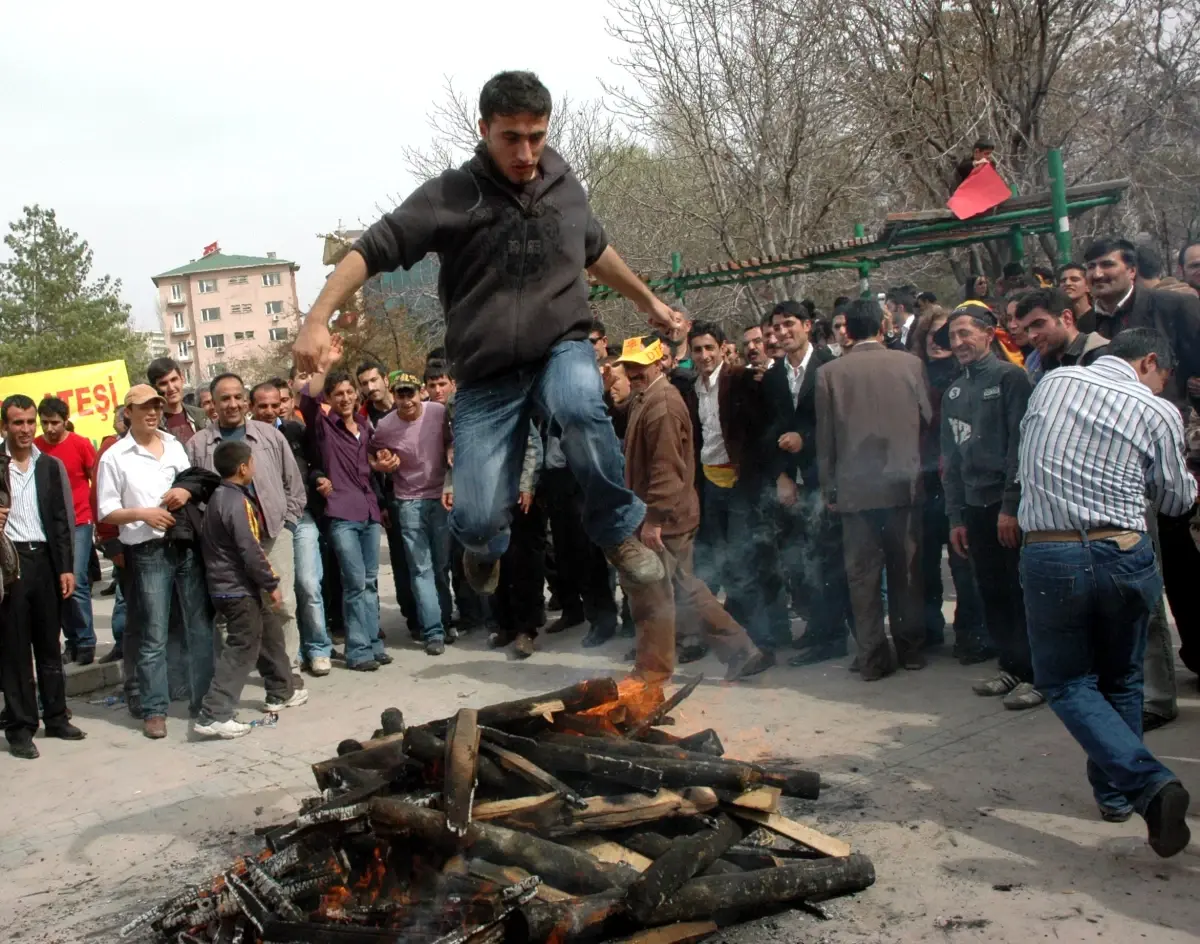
x=968, y=811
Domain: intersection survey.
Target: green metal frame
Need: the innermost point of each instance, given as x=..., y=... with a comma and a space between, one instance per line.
x=898, y=240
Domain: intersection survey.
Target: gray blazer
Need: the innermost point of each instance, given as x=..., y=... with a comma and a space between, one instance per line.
x=277, y=479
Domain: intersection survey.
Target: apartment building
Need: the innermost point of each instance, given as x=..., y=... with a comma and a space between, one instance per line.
x=222, y=308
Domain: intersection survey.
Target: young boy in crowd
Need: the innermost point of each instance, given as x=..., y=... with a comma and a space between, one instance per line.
x=245, y=590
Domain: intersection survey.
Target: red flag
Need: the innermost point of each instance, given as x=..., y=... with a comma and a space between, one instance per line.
x=211, y=248
x=981, y=191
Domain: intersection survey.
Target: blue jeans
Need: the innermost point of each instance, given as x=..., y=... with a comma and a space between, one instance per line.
x=491, y=425
x=1087, y=607
x=118, y=617
x=310, y=604
x=427, y=551
x=356, y=544
x=78, y=628
x=156, y=568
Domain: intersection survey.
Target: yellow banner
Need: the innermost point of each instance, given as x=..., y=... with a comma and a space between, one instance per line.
x=92, y=393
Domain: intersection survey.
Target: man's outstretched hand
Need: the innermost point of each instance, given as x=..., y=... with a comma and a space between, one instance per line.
x=312, y=345
x=665, y=319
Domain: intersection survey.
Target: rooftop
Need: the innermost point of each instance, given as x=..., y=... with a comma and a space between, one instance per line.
x=216, y=261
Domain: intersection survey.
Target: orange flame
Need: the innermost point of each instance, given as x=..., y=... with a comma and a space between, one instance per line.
x=636, y=700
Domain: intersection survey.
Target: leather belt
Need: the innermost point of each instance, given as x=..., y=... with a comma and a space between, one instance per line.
x=1124, y=538
x=30, y=547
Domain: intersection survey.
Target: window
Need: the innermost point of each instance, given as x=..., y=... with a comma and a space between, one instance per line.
x=239, y=280
x=243, y=335
x=241, y=309
x=183, y=349
x=176, y=292
x=270, y=278
x=204, y=286
x=274, y=308
x=278, y=334
x=210, y=314
x=180, y=323
x=215, y=370
x=249, y=335
x=214, y=340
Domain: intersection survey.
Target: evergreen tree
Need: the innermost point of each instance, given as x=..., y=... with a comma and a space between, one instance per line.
x=51, y=313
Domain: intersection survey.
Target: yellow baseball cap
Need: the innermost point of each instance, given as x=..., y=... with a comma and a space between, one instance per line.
x=638, y=351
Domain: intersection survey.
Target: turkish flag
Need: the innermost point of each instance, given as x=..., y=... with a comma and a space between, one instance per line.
x=981, y=191
x=211, y=248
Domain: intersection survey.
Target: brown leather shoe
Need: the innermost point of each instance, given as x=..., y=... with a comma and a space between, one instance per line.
x=155, y=727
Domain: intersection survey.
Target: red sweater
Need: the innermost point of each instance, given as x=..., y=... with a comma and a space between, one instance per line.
x=79, y=457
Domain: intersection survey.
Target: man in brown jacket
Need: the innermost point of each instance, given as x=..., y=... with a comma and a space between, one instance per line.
x=871, y=404
x=660, y=468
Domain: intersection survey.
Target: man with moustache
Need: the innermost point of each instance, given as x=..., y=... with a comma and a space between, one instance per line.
x=1120, y=303
x=981, y=422
x=660, y=469
x=38, y=520
x=278, y=485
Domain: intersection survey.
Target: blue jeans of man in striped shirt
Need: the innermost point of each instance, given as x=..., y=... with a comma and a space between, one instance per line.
x=1088, y=606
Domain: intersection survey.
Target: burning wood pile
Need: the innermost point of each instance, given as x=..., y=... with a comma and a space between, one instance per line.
x=567, y=817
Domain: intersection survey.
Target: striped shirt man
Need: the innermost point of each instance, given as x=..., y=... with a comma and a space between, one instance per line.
x=25, y=517
x=1096, y=444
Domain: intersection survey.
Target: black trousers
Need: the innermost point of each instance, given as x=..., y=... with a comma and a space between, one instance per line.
x=29, y=619
x=998, y=575
x=253, y=638
x=519, y=604
x=583, y=583
x=1180, y=567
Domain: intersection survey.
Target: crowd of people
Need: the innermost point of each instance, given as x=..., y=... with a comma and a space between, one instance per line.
x=824, y=467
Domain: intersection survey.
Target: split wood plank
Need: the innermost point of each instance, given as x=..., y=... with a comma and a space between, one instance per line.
x=683, y=933
x=805, y=835
x=763, y=799
x=611, y=852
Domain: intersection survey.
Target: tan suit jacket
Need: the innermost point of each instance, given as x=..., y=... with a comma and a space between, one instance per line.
x=871, y=404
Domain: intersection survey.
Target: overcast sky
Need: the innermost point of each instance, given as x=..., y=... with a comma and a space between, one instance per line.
x=154, y=129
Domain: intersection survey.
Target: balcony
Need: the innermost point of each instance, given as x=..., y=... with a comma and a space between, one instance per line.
x=181, y=329
x=181, y=300
x=184, y=358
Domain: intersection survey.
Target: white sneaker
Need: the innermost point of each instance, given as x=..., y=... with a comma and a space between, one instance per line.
x=226, y=730
x=319, y=665
x=299, y=697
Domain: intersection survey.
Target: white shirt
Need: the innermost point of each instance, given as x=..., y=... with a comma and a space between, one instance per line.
x=1096, y=443
x=795, y=375
x=24, y=519
x=712, y=443
x=906, y=327
x=130, y=476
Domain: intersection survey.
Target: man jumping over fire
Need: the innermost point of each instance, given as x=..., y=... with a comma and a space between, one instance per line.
x=514, y=232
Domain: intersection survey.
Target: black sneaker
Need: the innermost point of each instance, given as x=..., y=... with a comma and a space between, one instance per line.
x=384, y=659
x=435, y=646
x=85, y=655
x=115, y=654
x=1166, y=820
x=691, y=652
x=369, y=666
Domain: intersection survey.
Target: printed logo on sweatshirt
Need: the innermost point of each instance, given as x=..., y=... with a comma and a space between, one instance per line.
x=991, y=393
x=960, y=430
x=953, y=393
